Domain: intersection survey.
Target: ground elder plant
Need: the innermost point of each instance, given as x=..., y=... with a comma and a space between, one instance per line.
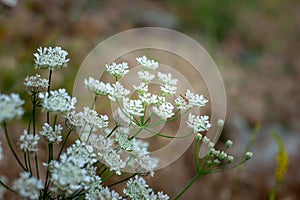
x=104, y=147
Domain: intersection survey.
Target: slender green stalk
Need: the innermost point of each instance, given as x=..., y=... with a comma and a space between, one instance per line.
x=187, y=186
x=63, y=145
x=167, y=136
x=103, y=171
x=111, y=132
x=33, y=124
x=25, y=159
x=29, y=163
x=6, y=187
x=121, y=181
x=49, y=84
x=50, y=157
x=134, y=135
x=93, y=103
x=196, y=155
x=108, y=177
x=11, y=147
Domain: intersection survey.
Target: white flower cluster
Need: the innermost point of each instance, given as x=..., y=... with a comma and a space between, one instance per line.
x=190, y=100
x=50, y=58
x=106, y=153
x=29, y=142
x=74, y=171
x=147, y=63
x=88, y=119
x=117, y=70
x=58, y=101
x=10, y=106
x=52, y=135
x=35, y=84
x=28, y=186
x=97, y=192
x=198, y=123
x=169, y=84
x=137, y=188
x=97, y=87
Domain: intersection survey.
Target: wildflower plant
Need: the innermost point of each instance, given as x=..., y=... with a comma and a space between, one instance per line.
x=103, y=147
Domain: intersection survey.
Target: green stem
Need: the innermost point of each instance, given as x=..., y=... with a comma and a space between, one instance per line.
x=29, y=163
x=167, y=136
x=8, y=188
x=133, y=136
x=11, y=147
x=33, y=124
x=187, y=186
x=111, y=132
x=121, y=181
x=108, y=177
x=65, y=141
x=50, y=157
x=196, y=155
x=49, y=83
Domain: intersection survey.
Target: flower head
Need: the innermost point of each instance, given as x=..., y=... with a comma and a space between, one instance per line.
x=145, y=76
x=58, y=101
x=117, y=70
x=28, y=186
x=50, y=58
x=52, y=135
x=117, y=91
x=10, y=106
x=88, y=119
x=35, y=84
x=198, y=123
x=147, y=63
x=97, y=87
x=29, y=142
x=97, y=191
x=164, y=111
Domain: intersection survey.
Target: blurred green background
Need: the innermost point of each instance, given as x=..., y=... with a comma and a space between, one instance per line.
x=254, y=43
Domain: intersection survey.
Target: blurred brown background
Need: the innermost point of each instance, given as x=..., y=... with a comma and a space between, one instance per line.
x=254, y=43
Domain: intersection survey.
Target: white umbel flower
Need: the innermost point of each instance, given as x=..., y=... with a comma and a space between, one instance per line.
x=28, y=186
x=35, y=84
x=50, y=58
x=117, y=91
x=198, y=123
x=97, y=192
x=134, y=107
x=10, y=106
x=164, y=111
x=145, y=76
x=58, y=101
x=29, y=142
x=166, y=79
x=74, y=171
x=97, y=87
x=117, y=70
x=87, y=119
x=196, y=100
x=145, y=164
x=147, y=63
x=190, y=100
x=148, y=98
x=137, y=188
x=52, y=136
